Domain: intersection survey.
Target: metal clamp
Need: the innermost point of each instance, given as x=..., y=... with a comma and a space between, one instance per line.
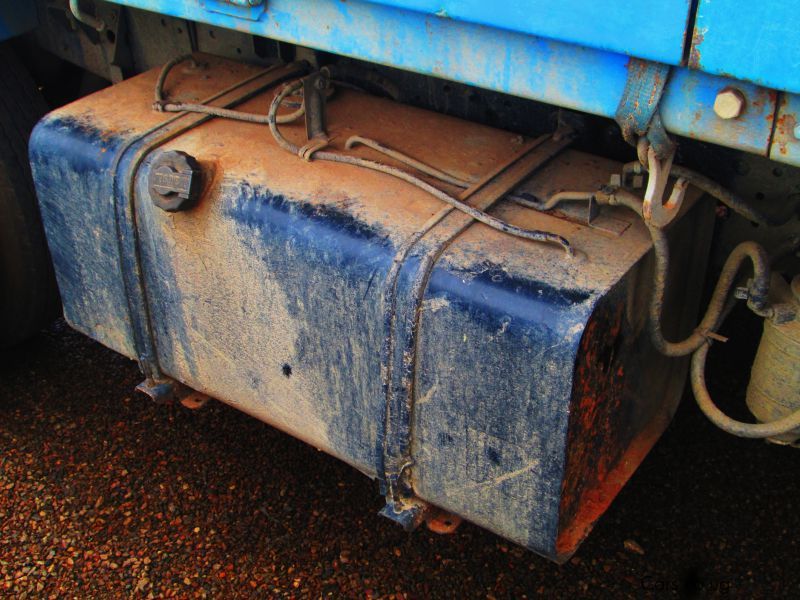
x=637, y=113
x=655, y=211
x=249, y=10
x=314, y=87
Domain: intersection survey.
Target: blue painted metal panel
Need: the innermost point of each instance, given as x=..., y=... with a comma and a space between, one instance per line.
x=557, y=73
x=16, y=18
x=756, y=41
x=86, y=159
x=652, y=30
x=509, y=415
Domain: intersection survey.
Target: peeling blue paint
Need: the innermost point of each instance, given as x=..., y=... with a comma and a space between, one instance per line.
x=70, y=161
x=516, y=49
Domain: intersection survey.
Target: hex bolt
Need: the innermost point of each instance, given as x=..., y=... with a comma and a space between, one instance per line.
x=729, y=103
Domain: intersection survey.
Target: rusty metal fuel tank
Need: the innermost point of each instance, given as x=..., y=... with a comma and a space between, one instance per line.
x=490, y=376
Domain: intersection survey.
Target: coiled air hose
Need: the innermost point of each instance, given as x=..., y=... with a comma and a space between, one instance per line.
x=699, y=341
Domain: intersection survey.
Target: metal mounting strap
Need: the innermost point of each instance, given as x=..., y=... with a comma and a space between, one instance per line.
x=637, y=112
x=404, y=293
x=123, y=190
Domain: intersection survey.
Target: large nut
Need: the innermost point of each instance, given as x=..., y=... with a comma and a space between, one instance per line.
x=729, y=103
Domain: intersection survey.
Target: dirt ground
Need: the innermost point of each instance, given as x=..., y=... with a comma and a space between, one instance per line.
x=106, y=495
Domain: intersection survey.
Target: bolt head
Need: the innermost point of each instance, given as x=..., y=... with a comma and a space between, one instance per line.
x=796, y=132
x=729, y=103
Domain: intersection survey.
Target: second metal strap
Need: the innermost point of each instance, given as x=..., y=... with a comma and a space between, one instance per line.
x=406, y=284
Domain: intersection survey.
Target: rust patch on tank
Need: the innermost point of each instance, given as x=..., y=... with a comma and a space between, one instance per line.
x=606, y=441
x=184, y=84
x=595, y=500
x=594, y=439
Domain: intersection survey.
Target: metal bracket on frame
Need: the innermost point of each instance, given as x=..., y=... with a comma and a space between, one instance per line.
x=249, y=10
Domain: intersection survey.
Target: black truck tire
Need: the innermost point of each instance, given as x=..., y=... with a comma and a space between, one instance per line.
x=28, y=294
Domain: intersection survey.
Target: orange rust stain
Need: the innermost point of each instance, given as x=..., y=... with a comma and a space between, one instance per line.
x=103, y=113
x=593, y=438
x=654, y=90
x=442, y=522
x=694, y=54
x=610, y=429
x=596, y=500
x=784, y=131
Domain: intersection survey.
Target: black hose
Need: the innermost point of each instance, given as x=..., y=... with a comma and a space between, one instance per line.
x=711, y=320
x=698, y=343
x=727, y=197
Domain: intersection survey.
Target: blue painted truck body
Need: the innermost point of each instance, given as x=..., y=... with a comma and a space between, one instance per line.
x=574, y=54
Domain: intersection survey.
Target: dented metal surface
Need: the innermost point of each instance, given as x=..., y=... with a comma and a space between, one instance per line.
x=530, y=368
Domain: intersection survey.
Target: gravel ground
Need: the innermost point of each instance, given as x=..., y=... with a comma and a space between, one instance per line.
x=104, y=494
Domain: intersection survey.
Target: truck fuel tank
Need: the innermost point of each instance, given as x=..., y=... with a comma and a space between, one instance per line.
x=463, y=367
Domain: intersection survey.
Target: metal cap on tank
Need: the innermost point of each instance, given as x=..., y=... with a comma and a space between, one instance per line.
x=174, y=181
